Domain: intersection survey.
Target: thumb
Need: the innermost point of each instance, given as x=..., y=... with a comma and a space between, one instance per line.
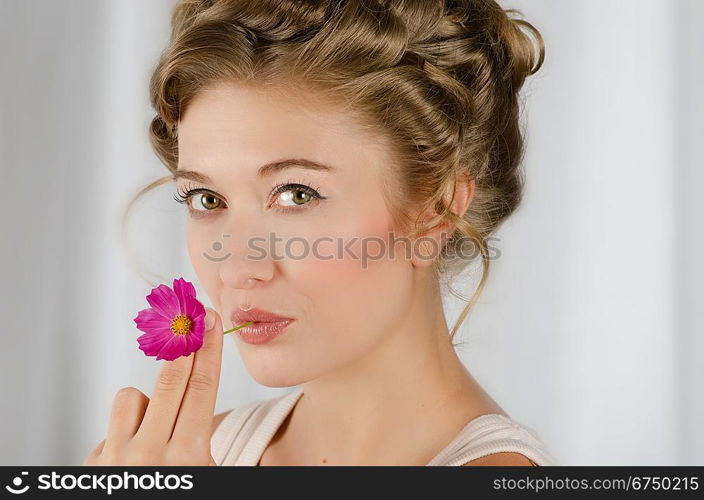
x=212, y=320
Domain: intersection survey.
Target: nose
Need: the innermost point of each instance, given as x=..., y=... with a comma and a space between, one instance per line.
x=245, y=268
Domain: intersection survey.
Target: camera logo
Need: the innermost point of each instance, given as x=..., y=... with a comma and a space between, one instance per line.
x=217, y=246
x=17, y=482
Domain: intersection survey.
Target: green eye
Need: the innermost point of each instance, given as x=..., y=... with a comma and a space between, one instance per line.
x=290, y=195
x=203, y=197
x=295, y=196
x=208, y=201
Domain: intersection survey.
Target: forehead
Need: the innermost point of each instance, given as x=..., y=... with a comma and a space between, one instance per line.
x=256, y=125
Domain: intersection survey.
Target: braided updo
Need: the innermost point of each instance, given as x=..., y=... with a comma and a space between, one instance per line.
x=439, y=78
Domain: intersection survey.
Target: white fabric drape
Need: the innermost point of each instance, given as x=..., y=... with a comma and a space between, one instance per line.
x=589, y=330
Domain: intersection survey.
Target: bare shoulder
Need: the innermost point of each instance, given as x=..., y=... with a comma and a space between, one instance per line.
x=218, y=418
x=505, y=458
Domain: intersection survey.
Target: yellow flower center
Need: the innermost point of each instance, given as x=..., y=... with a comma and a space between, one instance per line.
x=181, y=325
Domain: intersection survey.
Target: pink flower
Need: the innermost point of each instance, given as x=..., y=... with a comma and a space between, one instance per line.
x=175, y=324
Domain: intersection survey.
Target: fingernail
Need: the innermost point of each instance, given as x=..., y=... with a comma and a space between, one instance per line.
x=209, y=319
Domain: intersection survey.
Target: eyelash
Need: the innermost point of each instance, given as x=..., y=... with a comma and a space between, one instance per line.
x=184, y=196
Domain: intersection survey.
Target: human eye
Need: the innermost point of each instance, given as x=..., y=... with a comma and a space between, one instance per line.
x=198, y=200
x=290, y=196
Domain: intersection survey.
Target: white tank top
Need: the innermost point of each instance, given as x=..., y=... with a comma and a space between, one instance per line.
x=245, y=432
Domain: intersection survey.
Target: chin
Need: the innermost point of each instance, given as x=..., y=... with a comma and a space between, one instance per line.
x=275, y=371
x=276, y=380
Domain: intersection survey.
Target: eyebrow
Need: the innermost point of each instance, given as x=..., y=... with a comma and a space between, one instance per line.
x=263, y=171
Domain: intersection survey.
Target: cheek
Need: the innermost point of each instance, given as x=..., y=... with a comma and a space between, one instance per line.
x=205, y=246
x=354, y=287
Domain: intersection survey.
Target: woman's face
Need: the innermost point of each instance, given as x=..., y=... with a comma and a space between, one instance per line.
x=323, y=271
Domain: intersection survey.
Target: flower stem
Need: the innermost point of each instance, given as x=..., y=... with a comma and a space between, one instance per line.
x=237, y=327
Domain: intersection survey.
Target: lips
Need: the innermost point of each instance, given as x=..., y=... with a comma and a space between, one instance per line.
x=239, y=316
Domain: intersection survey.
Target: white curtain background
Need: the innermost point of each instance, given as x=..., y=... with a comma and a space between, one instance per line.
x=590, y=330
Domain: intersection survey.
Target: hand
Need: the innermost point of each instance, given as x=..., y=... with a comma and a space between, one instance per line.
x=175, y=426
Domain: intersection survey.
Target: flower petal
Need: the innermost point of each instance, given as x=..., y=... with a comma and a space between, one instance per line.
x=198, y=326
x=188, y=349
x=195, y=309
x=163, y=335
x=173, y=349
x=164, y=301
x=195, y=342
x=186, y=293
x=152, y=343
x=149, y=320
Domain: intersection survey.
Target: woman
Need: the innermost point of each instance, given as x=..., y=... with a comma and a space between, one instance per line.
x=336, y=160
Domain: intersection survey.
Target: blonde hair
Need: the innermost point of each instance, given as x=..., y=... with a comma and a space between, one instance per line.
x=439, y=78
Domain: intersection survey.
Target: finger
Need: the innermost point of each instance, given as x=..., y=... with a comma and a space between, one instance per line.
x=195, y=417
x=161, y=413
x=127, y=412
x=93, y=455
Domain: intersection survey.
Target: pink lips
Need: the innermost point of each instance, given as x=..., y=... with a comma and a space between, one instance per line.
x=266, y=327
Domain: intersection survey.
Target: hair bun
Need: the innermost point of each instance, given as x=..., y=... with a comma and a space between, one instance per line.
x=472, y=36
x=524, y=57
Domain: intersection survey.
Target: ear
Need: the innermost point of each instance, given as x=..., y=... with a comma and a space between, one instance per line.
x=427, y=246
